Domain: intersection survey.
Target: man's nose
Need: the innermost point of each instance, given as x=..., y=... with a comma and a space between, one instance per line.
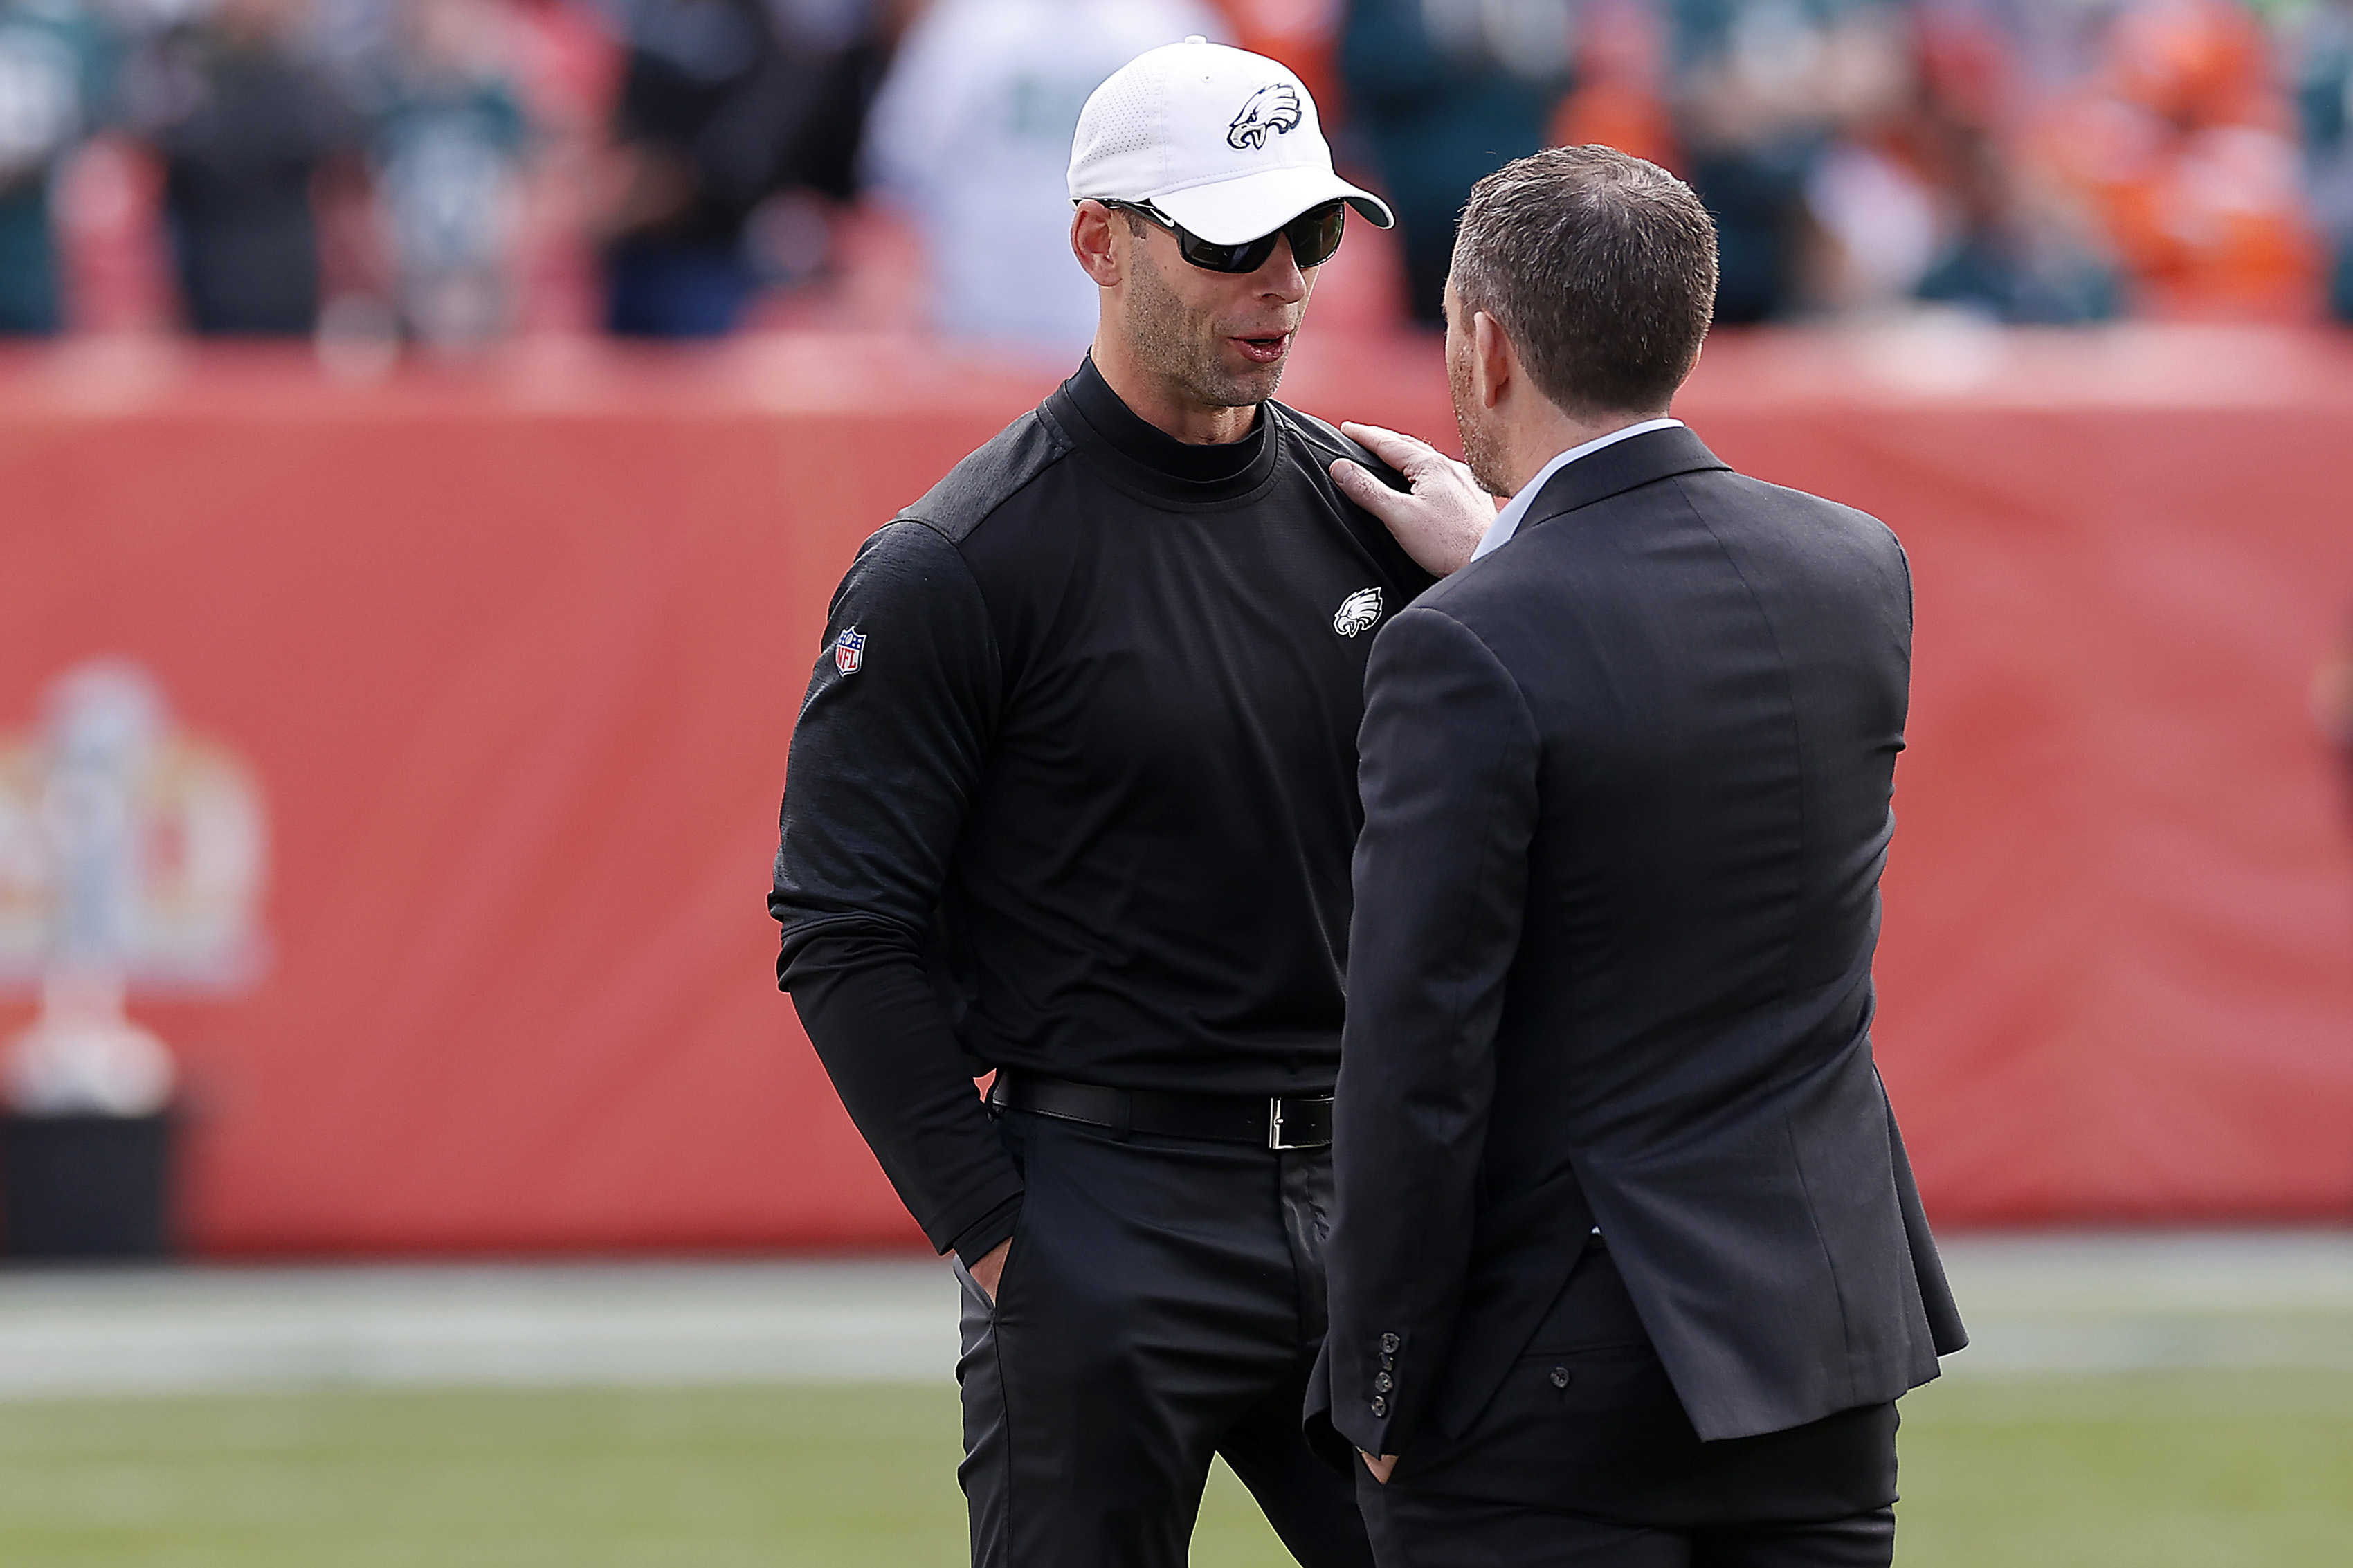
x=1279, y=278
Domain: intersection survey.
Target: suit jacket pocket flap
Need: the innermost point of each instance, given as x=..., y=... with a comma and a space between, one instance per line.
x=1521, y=1255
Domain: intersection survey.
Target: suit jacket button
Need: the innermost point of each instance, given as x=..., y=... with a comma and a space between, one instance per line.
x=1561, y=1377
x=1383, y=1382
x=1389, y=1343
x=1381, y=1405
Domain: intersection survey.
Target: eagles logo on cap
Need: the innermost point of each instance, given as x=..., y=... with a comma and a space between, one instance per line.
x=1224, y=142
x=1272, y=109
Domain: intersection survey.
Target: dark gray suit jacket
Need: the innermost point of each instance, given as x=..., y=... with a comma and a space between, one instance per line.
x=1625, y=785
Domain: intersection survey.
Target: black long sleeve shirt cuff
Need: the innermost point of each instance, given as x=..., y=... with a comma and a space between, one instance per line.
x=986, y=1234
x=876, y=1021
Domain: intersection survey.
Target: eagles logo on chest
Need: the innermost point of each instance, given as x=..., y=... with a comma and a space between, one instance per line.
x=1358, y=613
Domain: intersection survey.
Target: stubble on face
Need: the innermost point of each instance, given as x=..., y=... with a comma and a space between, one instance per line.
x=1184, y=346
x=1481, y=452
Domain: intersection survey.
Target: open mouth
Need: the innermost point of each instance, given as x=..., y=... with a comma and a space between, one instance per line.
x=1265, y=350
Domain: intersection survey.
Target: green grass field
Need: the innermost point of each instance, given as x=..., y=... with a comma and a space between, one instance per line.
x=2152, y=1471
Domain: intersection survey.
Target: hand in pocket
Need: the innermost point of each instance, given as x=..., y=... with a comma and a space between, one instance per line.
x=989, y=1268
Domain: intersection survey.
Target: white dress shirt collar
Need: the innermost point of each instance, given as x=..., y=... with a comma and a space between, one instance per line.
x=1507, y=521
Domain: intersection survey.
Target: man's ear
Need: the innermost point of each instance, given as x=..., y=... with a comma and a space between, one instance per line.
x=1096, y=241
x=1494, y=364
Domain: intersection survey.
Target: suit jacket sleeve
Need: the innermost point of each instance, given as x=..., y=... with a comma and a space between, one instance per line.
x=1448, y=775
x=885, y=761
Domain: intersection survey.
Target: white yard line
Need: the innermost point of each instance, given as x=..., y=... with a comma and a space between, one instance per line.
x=2036, y=1306
x=2154, y=1301
x=94, y=1331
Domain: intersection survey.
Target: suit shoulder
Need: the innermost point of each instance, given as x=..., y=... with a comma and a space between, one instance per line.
x=1437, y=623
x=992, y=475
x=1816, y=540
x=1476, y=592
x=1832, y=519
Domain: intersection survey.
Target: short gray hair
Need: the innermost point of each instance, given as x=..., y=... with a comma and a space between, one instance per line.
x=1601, y=270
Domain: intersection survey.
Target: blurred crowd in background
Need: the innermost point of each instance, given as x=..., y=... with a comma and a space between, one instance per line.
x=449, y=172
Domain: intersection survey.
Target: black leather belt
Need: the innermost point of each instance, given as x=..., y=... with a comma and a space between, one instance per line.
x=1283, y=1122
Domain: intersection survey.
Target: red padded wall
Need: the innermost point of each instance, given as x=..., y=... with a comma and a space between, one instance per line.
x=515, y=650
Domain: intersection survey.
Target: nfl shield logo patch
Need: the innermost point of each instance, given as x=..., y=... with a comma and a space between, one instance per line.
x=849, y=651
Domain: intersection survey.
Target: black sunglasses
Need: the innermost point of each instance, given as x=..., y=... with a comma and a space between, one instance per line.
x=1315, y=235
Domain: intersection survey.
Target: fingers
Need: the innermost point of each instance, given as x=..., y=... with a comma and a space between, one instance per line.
x=1438, y=522
x=1407, y=455
x=1357, y=483
x=988, y=1269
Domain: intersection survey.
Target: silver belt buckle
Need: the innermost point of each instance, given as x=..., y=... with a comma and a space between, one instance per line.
x=1274, y=1125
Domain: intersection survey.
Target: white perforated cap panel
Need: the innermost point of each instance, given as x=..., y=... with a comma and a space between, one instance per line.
x=1119, y=121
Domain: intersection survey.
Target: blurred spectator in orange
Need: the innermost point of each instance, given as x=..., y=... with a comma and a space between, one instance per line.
x=1618, y=99
x=245, y=122
x=2182, y=141
x=2320, y=50
x=1445, y=92
x=970, y=138
x=53, y=64
x=447, y=154
x=1302, y=34
x=724, y=104
x=1993, y=235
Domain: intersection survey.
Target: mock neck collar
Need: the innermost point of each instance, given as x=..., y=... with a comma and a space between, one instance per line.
x=1185, y=469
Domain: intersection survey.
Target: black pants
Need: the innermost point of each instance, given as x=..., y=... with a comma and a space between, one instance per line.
x=1161, y=1304
x=1583, y=1457
x=1413, y=1529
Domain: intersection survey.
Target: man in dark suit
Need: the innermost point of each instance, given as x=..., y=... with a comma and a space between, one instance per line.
x=1627, y=1267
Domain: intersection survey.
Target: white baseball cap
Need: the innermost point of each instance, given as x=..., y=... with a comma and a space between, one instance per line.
x=1224, y=142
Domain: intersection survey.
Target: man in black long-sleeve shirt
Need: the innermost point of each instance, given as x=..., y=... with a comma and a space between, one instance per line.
x=1073, y=797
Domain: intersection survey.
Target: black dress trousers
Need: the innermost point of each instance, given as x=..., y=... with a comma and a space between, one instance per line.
x=1161, y=1304
x=1585, y=1456
x=1424, y=1530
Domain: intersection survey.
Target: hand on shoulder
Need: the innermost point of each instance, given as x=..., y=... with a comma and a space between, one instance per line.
x=1441, y=519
